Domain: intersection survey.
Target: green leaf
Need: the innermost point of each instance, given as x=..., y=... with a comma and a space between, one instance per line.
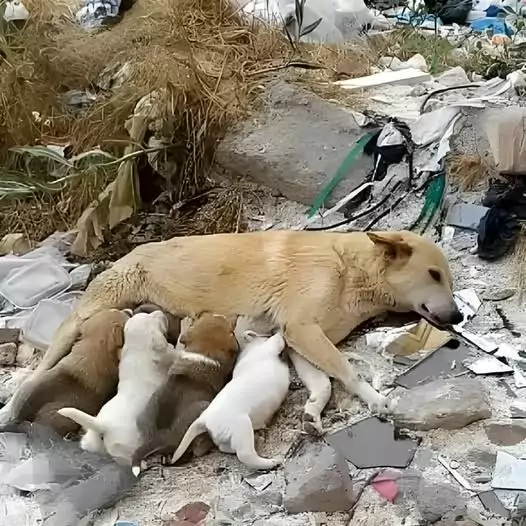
x=41, y=152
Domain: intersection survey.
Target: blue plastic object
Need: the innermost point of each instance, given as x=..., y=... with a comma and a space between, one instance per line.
x=498, y=25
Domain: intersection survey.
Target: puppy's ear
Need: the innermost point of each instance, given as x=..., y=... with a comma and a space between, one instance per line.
x=392, y=244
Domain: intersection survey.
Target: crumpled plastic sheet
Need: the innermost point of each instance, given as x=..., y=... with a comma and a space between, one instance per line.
x=94, y=13
x=41, y=472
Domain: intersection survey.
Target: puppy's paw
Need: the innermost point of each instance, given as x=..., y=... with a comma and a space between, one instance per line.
x=381, y=405
x=312, y=424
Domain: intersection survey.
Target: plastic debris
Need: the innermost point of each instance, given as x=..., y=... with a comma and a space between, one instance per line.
x=442, y=363
x=509, y=472
x=405, y=76
x=44, y=321
x=468, y=303
x=260, y=481
x=489, y=365
x=66, y=482
x=95, y=13
x=372, y=443
x=15, y=10
x=493, y=504
x=385, y=484
x=464, y=215
x=421, y=338
x=26, y=286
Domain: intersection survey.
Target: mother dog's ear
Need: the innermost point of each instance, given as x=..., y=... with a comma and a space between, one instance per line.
x=393, y=244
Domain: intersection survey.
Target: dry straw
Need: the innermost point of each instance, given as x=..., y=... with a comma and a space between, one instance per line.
x=207, y=61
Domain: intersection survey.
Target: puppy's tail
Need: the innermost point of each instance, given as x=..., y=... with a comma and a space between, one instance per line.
x=197, y=427
x=83, y=419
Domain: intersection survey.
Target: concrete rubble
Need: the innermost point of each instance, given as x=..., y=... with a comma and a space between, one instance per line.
x=447, y=404
x=317, y=480
x=297, y=167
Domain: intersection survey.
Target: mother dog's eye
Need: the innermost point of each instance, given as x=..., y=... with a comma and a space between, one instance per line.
x=435, y=274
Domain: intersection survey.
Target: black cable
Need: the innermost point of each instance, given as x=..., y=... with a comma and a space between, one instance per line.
x=386, y=212
x=357, y=216
x=443, y=90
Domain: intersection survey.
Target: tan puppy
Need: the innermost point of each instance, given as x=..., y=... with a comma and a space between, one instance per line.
x=317, y=286
x=201, y=369
x=86, y=378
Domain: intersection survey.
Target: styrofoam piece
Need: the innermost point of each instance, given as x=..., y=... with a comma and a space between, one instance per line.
x=489, y=365
x=25, y=287
x=44, y=321
x=16, y=321
x=468, y=303
x=509, y=472
x=70, y=297
x=404, y=76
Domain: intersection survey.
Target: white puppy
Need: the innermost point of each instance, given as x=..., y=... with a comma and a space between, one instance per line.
x=259, y=385
x=145, y=360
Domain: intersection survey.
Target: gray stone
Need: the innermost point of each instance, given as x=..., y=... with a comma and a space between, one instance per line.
x=481, y=457
x=495, y=294
x=295, y=145
x=506, y=433
x=437, y=501
x=317, y=480
x=453, y=77
x=448, y=404
x=8, y=353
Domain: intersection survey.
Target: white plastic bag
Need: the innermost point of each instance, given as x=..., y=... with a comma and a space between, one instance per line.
x=340, y=19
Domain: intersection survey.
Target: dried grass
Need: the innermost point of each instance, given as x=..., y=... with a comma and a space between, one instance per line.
x=468, y=171
x=520, y=261
x=207, y=62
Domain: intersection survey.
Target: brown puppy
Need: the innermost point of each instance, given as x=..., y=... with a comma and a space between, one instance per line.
x=86, y=378
x=199, y=372
x=174, y=322
x=316, y=286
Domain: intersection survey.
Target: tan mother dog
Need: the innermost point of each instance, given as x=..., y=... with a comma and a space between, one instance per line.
x=316, y=286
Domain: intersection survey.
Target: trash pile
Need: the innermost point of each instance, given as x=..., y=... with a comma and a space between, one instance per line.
x=39, y=288
x=47, y=480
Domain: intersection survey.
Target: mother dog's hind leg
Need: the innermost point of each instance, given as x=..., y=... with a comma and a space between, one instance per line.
x=319, y=386
x=310, y=341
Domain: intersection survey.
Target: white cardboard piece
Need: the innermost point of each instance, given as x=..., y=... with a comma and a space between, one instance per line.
x=404, y=76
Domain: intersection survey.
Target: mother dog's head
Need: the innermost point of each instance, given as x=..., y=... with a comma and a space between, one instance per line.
x=418, y=276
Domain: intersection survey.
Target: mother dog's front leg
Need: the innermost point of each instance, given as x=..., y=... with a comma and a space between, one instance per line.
x=310, y=341
x=319, y=387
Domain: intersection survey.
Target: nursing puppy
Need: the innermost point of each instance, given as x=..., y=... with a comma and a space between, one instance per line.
x=204, y=361
x=145, y=360
x=259, y=385
x=316, y=286
x=86, y=378
x=174, y=322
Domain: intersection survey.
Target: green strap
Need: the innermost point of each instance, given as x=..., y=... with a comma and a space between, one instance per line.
x=433, y=200
x=342, y=171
